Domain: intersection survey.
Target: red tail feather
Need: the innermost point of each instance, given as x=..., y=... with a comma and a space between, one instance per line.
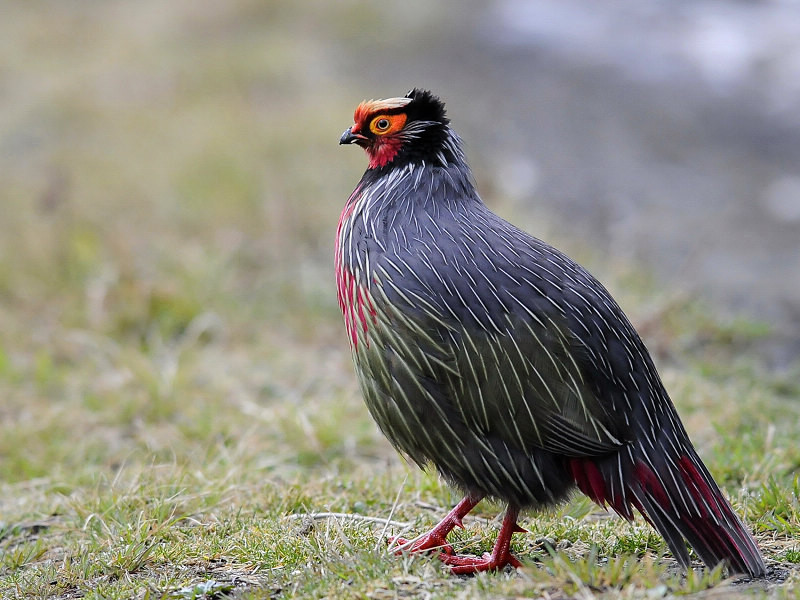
x=652, y=484
x=699, y=489
x=589, y=480
x=679, y=499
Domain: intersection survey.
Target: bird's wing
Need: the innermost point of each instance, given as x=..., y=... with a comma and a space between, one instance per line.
x=530, y=348
x=530, y=386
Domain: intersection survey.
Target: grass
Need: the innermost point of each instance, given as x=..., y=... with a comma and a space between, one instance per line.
x=177, y=395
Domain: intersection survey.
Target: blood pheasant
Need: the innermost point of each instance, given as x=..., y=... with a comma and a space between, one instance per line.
x=497, y=359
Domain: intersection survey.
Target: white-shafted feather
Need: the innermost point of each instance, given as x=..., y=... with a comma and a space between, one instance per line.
x=494, y=357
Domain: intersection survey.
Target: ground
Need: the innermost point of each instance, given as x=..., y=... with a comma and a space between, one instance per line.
x=179, y=416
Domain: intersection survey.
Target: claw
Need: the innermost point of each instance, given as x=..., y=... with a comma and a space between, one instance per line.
x=465, y=565
x=435, y=540
x=425, y=543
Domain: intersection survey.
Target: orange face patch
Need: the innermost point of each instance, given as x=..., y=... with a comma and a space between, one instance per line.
x=383, y=124
x=374, y=107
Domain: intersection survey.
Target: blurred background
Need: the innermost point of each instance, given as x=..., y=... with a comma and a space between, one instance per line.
x=174, y=373
x=171, y=183
x=157, y=158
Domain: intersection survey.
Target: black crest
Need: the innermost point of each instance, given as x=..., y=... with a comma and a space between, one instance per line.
x=427, y=119
x=424, y=106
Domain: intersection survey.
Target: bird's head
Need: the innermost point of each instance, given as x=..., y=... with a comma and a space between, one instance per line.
x=399, y=130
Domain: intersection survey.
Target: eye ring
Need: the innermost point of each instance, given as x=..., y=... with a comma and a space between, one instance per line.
x=385, y=124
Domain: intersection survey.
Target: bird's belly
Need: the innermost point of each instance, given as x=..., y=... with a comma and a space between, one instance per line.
x=402, y=399
x=414, y=400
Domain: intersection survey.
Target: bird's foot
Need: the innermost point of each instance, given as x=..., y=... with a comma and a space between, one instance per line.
x=436, y=538
x=428, y=542
x=497, y=559
x=460, y=564
x=465, y=564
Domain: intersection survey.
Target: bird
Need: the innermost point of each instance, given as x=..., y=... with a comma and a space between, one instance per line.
x=493, y=357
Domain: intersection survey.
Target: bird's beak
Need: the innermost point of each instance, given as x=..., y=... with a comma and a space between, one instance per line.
x=348, y=137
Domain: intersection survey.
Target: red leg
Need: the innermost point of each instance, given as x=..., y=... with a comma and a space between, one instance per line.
x=436, y=538
x=501, y=553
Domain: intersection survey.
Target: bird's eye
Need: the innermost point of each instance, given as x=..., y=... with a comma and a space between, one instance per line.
x=387, y=123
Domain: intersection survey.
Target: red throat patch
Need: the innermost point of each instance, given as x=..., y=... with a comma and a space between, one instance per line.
x=383, y=151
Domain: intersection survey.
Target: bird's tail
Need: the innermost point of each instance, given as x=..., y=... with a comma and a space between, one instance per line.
x=680, y=499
